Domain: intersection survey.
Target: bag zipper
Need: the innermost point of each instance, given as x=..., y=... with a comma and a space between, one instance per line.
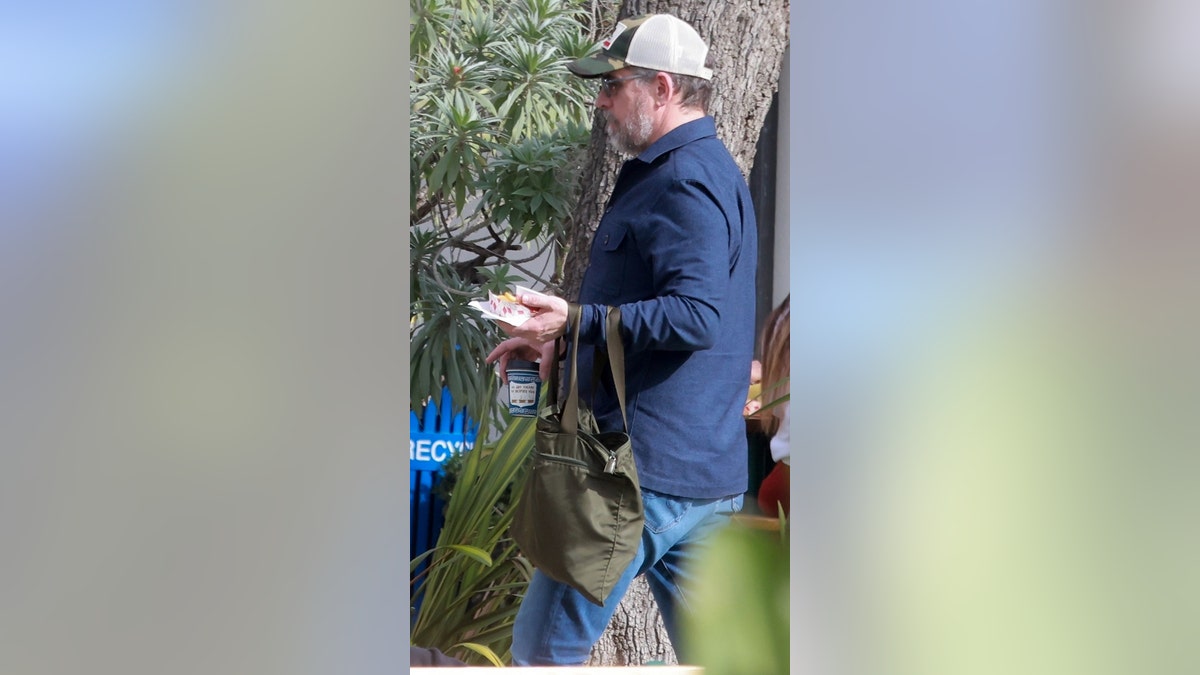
x=611, y=465
x=564, y=460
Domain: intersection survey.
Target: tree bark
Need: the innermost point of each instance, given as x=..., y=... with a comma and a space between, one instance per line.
x=746, y=43
x=636, y=635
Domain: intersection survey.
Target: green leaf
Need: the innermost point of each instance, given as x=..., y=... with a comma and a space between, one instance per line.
x=473, y=552
x=438, y=175
x=452, y=171
x=483, y=651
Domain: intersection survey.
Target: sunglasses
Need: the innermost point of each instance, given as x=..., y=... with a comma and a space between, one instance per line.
x=610, y=85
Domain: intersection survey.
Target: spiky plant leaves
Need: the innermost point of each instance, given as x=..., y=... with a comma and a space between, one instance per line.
x=465, y=598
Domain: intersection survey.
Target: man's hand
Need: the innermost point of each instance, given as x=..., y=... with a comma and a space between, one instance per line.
x=521, y=348
x=548, y=322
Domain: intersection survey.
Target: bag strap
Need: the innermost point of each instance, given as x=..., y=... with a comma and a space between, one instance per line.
x=616, y=361
x=551, y=399
x=612, y=359
x=570, y=411
x=616, y=356
x=552, y=395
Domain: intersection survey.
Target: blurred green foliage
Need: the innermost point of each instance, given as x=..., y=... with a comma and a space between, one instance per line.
x=739, y=623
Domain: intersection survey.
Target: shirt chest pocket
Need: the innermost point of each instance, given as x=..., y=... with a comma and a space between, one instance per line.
x=612, y=261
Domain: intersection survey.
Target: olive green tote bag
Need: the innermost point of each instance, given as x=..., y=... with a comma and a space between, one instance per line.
x=579, y=518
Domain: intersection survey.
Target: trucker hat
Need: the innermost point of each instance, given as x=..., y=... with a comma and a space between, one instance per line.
x=655, y=41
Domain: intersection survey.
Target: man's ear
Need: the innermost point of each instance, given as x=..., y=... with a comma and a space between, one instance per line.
x=664, y=88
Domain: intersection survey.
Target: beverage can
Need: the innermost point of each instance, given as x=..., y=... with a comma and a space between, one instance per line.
x=523, y=387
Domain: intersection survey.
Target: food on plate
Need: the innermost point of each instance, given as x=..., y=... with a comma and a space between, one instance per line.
x=504, y=307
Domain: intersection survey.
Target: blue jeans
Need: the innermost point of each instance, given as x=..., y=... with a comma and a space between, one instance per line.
x=557, y=626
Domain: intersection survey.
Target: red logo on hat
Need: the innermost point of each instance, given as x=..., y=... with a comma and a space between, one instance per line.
x=607, y=44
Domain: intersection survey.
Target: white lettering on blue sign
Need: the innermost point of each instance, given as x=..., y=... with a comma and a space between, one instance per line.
x=435, y=449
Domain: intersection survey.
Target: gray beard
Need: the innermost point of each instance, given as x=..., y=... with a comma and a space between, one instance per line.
x=633, y=136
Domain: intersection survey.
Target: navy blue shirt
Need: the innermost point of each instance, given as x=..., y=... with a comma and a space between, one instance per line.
x=677, y=251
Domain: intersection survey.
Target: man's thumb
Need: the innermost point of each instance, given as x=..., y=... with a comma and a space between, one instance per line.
x=535, y=300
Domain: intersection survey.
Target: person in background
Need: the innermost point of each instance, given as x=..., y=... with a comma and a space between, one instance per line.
x=774, y=492
x=753, y=402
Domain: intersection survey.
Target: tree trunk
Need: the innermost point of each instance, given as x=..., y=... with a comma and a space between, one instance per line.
x=636, y=635
x=746, y=43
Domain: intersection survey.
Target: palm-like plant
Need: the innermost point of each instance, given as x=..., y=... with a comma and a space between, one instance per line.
x=470, y=592
x=498, y=124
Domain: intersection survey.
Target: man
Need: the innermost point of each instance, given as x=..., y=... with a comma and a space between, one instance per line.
x=676, y=250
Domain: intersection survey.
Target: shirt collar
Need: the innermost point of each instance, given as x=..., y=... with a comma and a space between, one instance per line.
x=678, y=137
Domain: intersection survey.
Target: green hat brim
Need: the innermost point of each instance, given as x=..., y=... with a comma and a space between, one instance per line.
x=595, y=65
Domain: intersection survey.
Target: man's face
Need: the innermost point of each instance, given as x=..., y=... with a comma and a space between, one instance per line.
x=626, y=102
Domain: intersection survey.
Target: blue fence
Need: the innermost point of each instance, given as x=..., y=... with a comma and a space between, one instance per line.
x=440, y=433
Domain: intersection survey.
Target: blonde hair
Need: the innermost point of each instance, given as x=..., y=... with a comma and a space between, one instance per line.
x=776, y=360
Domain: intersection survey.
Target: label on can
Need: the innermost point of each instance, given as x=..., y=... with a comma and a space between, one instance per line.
x=523, y=388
